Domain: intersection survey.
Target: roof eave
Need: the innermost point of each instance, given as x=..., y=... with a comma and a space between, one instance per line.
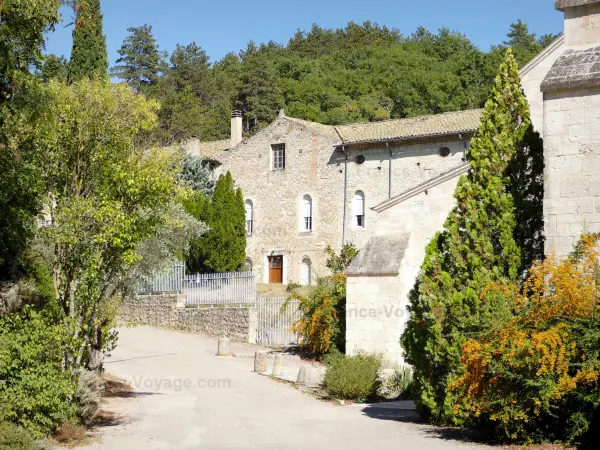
x=407, y=138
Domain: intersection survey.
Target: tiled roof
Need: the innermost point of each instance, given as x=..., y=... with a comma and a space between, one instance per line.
x=414, y=127
x=575, y=69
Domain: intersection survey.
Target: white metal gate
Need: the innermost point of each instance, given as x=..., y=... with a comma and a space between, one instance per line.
x=275, y=317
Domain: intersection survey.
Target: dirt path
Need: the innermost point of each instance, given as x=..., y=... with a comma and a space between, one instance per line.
x=187, y=398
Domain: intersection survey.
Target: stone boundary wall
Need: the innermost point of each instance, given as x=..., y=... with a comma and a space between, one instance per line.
x=168, y=310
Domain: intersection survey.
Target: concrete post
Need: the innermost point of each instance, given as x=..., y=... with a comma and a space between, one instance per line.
x=278, y=366
x=303, y=376
x=223, y=347
x=260, y=362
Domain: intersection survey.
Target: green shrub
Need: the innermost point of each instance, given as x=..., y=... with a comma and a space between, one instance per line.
x=322, y=325
x=400, y=383
x=352, y=377
x=35, y=393
x=13, y=437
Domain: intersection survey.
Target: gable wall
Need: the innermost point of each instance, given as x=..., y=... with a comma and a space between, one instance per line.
x=531, y=80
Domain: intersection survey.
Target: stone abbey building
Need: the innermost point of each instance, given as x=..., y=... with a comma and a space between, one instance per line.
x=388, y=186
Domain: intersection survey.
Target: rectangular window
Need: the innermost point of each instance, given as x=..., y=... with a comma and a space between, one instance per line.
x=278, y=151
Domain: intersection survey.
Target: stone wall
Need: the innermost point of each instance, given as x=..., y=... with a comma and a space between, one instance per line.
x=376, y=311
x=168, y=310
x=532, y=76
x=572, y=158
x=375, y=316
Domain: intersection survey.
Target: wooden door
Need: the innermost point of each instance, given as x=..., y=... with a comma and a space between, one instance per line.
x=275, y=269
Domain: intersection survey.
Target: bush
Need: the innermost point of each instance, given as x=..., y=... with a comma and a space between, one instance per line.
x=400, y=383
x=352, y=377
x=13, y=437
x=90, y=387
x=35, y=392
x=323, y=322
x=536, y=375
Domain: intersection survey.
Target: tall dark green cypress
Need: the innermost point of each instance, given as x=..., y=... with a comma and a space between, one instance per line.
x=477, y=247
x=223, y=247
x=88, y=55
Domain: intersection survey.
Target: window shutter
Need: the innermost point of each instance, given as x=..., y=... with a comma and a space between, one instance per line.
x=307, y=208
x=358, y=205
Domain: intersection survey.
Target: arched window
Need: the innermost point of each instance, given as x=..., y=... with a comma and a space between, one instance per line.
x=358, y=209
x=305, y=269
x=248, y=267
x=307, y=218
x=249, y=216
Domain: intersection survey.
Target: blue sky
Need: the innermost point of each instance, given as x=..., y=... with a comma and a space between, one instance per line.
x=222, y=26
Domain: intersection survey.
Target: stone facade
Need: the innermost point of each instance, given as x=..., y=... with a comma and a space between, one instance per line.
x=532, y=76
x=317, y=165
x=572, y=130
x=168, y=310
x=376, y=310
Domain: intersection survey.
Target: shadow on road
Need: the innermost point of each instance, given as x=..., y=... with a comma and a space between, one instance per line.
x=404, y=411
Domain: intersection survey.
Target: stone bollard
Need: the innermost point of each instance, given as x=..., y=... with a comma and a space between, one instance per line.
x=303, y=376
x=223, y=348
x=278, y=366
x=260, y=362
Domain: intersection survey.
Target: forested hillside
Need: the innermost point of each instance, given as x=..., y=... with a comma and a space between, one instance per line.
x=359, y=73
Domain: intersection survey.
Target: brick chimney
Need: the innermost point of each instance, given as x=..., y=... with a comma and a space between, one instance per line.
x=236, y=128
x=582, y=21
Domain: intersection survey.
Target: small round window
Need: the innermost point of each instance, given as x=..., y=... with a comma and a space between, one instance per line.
x=359, y=159
x=444, y=151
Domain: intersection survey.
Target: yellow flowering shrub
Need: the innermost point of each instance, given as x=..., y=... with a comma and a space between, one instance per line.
x=535, y=375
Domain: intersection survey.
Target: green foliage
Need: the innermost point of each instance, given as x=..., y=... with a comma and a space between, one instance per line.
x=477, y=247
x=54, y=68
x=13, y=437
x=22, y=27
x=356, y=74
x=88, y=54
x=259, y=97
x=106, y=197
x=223, y=247
x=322, y=326
x=400, y=384
x=35, y=391
x=140, y=61
x=197, y=173
x=339, y=263
x=352, y=377
x=534, y=375
x=527, y=182
x=524, y=44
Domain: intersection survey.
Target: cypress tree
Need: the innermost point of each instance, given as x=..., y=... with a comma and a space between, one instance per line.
x=223, y=248
x=88, y=55
x=476, y=247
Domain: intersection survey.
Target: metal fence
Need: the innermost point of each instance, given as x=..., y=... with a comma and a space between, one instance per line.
x=170, y=280
x=234, y=288
x=275, y=317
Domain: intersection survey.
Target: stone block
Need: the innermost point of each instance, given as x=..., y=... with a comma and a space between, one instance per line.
x=578, y=133
x=574, y=186
x=223, y=347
